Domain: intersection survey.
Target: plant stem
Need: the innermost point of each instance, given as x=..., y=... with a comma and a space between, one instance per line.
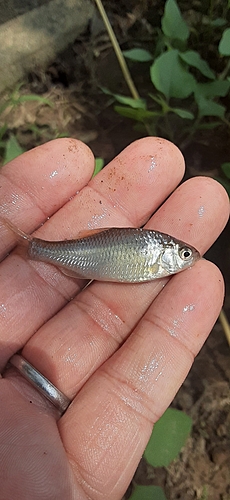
x=225, y=325
x=211, y=10
x=224, y=73
x=226, y=122
x=191, y=133
x=118, y=52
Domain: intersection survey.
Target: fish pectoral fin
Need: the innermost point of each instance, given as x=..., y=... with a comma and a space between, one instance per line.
x=154, y=269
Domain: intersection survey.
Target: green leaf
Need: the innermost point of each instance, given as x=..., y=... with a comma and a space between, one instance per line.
x=170, y=77
x=99, y=164
x=12, y=149
x=226, y=169
x=34, y=97
x=172, y=23
x=62, y=135
x=218, y=88
x=3, y=130
x=208, y=126
x=218, y=22
x=141, y=129
x=183, y=113
x=134, y=103
x=168, y=436
x=224, y=45
x=159, y=99
x=192, y=58
x=209, y=108
x=148, y=493
x=140, y=55
x=5, y=106
x=136, y=114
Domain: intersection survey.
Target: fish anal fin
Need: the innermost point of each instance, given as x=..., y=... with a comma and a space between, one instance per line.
x=71, y=273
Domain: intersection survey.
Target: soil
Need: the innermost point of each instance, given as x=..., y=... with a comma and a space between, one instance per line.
x=202, y=469
x=80, y=109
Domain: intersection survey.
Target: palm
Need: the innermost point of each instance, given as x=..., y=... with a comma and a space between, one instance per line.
x=120, y=352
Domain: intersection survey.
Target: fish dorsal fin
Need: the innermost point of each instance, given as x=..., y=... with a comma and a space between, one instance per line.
x=85, y=233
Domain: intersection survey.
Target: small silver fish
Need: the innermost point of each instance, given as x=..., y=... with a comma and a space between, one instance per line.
x=125, y=255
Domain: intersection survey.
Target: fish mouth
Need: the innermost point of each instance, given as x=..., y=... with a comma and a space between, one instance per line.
x=196, y=255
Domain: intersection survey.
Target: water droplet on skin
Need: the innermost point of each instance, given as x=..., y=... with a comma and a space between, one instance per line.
x=172, y=332
x=159, y=375
x=71, y=357
x=96, y=220
x=201, y=211
x=152, y=164
x=148, y=369
x=55, y=172
x=176, y=324
x=188, y=307
x=14, y=198
x=3, y=310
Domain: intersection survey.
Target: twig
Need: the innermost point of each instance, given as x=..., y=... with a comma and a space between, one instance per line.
x=120, y=57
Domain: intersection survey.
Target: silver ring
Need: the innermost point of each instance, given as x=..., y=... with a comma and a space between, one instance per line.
x=41, y=383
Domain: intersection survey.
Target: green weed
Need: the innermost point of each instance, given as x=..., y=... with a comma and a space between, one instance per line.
x=9, y=145
x=168, y=437
x=187, y=92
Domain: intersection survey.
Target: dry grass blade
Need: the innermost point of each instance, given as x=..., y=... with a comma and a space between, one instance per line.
x=118, y=52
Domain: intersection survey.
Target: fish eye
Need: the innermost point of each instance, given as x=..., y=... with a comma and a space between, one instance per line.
x=185, y=253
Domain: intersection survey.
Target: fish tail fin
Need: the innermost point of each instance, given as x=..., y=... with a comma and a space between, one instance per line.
x=21, y=236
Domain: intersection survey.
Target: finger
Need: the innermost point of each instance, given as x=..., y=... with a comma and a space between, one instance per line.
x=45, y=289
x=116, y=408
x=196, y=214
x=38, y=183
x=71, y=346
x=33, y=459
x=34, y=186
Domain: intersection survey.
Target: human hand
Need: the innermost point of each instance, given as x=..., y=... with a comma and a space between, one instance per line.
x=119, y=351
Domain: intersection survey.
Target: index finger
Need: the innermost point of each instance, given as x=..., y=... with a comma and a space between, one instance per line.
x=38, y=183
